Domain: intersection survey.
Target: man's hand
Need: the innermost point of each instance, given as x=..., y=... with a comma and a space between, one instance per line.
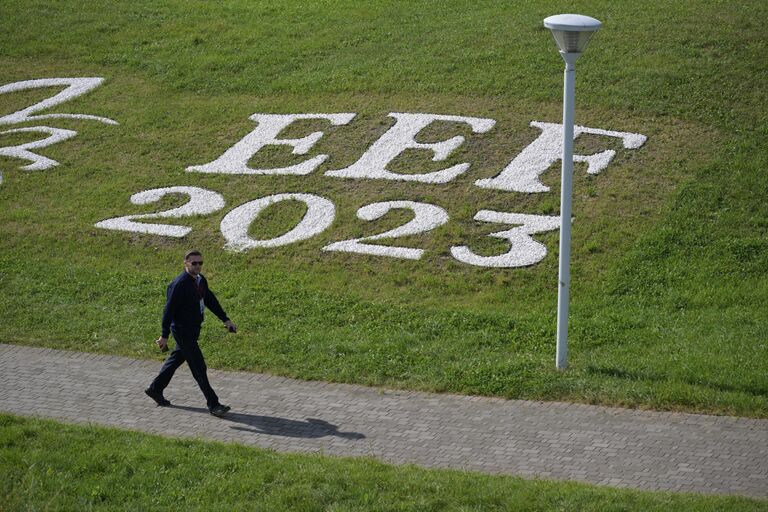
x=162, y=343
x=231, y=327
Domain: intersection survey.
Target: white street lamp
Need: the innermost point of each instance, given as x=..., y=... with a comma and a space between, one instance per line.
x=572, y=33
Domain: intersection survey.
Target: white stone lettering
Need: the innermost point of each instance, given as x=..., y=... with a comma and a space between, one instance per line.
x=201, y=202
x=427, y=217
x=523, y=250
x=321, y=214
x=522, y=173
x=234, y=226
x=235, y=159
x=39, y=163
x=75, y=87
x=373, y=163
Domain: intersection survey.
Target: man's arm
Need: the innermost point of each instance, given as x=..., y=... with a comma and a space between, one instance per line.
x=168, y=310
x=170, y=306
x=212, y=303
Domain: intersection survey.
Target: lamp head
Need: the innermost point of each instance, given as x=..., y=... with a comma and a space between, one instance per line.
x=572, y=32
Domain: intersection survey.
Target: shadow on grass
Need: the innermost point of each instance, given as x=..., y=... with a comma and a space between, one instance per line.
x=312, y=428
x=618, y=373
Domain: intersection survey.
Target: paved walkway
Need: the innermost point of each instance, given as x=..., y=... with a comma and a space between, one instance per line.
x=617, y=447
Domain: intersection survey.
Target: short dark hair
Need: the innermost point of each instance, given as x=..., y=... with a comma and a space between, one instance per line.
x=192, y=253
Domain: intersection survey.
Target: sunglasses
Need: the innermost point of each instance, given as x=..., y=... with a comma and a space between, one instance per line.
x=196, y=263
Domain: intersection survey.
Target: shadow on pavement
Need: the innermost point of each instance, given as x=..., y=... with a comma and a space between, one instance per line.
x=312, y=428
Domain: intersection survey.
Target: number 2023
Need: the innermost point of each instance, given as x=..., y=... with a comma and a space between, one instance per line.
x=320, y=214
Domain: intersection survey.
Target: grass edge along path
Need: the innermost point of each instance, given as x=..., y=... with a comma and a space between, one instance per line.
x=47, y=464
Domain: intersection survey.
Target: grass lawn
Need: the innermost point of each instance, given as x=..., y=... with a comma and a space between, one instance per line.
x=49, y=465
x=669, y=297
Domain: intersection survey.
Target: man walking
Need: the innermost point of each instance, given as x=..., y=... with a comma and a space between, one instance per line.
x=186, y=299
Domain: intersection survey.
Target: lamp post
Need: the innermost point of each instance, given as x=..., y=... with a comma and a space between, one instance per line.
x=572, y=33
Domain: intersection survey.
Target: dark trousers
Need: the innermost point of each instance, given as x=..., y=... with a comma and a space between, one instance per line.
x=187, y=350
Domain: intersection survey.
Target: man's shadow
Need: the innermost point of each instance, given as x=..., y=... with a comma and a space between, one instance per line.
x=272, y=426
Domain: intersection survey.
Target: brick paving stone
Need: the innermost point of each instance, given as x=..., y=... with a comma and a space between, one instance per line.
x=606, y=446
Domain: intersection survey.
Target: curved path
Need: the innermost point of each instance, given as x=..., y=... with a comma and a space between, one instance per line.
x=616, y=447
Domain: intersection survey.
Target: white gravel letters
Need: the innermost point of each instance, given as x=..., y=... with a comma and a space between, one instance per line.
x=427, y=217
x=201, y=202
x=75, y=87
x=522, y=173
x=235, y=159
x=39, y=163
x=373, y=163
x=234, y=226
x=523, y=250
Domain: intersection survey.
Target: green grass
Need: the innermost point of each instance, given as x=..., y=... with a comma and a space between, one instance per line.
x=49, y=465
x=669, y=293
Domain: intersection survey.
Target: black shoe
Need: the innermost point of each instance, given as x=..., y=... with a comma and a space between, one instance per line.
x=157, y=397
x=220, y=410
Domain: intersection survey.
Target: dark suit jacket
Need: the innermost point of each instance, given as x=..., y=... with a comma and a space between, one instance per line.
x=182, y=313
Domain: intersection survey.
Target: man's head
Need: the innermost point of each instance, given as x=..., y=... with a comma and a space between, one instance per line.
x=193, y=262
